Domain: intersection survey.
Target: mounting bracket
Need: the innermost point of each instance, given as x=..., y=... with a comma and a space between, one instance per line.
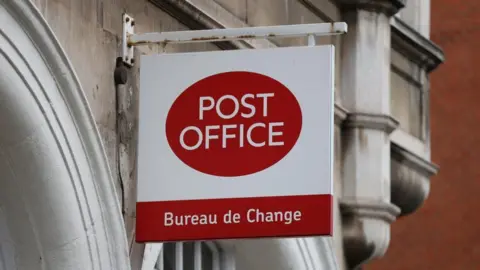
x=127, y=49
x=130, y=39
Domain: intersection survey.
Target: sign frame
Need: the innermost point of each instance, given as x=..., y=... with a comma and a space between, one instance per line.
x=130, y=40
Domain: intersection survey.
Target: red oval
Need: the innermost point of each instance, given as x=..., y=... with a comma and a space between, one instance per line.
x=223, y=155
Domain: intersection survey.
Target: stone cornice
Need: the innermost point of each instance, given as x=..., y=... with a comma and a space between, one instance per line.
x=410, y=179
x=422, y=166
x=322, y=9
x=366, y=227
x=382, y=122
x=389, y=7
x=190, y=15
x=340, y=114
x=369, y=209
x=415, y=46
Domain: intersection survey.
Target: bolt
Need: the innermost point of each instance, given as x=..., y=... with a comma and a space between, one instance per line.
x=133, y=22
x=132, y=61
x=127, y=19
x=126, y=58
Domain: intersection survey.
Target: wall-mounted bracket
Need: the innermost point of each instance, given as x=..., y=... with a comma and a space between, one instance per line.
x=128, y=30
x=130, y=39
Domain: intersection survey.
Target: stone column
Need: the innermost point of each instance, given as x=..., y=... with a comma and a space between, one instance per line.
x=365, y=204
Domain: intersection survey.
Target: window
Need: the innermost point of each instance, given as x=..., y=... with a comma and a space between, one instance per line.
x=189, y=256
x=407, y=95
x=413, y=57
x=409, y=104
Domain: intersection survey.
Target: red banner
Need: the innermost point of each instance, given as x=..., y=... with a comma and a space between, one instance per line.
x=286, y=216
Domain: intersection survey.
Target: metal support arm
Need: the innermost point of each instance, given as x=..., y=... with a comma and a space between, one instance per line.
x=131, y=39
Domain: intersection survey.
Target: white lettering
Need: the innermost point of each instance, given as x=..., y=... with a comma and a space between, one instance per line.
x=250, y=215
x=207, y=103
x=240, y=137
x=226, y=136
x=209, y=136
x=272, y=133
x=182, y=138
x=249, y=135
x=168, y=219
x=285, y=217
x=234, y=134
x=265, y=102
x=248, y=105
x=219, y=105
x=202, y=105
x=171, y=219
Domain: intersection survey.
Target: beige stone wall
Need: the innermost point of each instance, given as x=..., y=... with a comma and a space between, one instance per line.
x=90, y=31
x=417, y=15
x=406, y=98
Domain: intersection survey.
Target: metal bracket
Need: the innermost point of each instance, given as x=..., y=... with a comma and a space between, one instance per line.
x=127, y=49
x=130, y=39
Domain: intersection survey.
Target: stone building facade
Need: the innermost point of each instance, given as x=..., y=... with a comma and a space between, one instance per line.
x=68, y=130
x=443, y=234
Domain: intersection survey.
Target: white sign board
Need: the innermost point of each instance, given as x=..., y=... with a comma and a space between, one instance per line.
x=236, y=144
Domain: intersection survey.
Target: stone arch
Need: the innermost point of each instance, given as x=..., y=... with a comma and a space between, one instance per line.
x=58, y=206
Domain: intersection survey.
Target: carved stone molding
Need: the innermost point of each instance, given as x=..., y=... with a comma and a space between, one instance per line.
x=68, y=212
x=389, y=7
x=340, y=114
x=198, y=15
x=366, y=229
x=382, y=122
x=415, y=46
x=189, y=15
x=410, y=179
x=369, y=209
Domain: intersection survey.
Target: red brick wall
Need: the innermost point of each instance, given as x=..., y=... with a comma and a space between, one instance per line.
x=445, y=232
